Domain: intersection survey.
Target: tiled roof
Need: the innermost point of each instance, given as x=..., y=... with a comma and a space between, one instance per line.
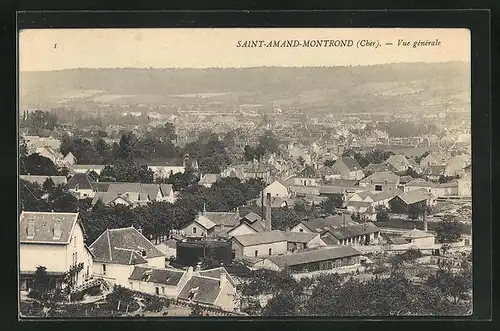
x=378, y=167
x=358, y=204
x=58, y=180
x=156, y=275
x=207, y=289
x=354, y=230
x=150, y=189
x=414, y=196
x=87, y=166
x=318, y=225
x=300, y=237
x=44, y=224
x=108, y=197
x=215, y=273
x=385, y=195
x=420, y=183
x=397, y=160
x=318, y=255
x=223, y=218
x=123, y=246
x=381, y=177
x=100, y=186
x=260, y=238
x=83, y=182
x=351, y=163
x=205, y=222
x=209, y=179
x=252, y=217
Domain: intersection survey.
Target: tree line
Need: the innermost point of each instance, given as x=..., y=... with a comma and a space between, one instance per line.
x=156, y=219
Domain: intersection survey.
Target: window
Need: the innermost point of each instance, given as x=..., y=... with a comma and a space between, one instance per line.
x=269, y=251
x=163, y=290
x=256, y=253
x=301, y=230
x=103, y=269
x=378, y=187
x=233, y=254
x=157, y=290
x=194, y=230
x=30, y=231
x=143, y=253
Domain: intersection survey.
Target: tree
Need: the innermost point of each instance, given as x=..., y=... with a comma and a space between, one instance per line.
x=128, y=171
x=269, y=142
x=282, y=304
x=70, y=277
x=382, y=214
x=448, y=231
x=249, y=153
x=42, y=282
x=209, y=262
x=23, y=154
x=377, y=156
x=126, y=146
x=120, y=295
x=40, y=121
x=454, y=286
x=39, y=165
x=328, y=206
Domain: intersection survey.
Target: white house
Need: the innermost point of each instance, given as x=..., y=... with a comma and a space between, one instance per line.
x=208, y=224
x=54, y=241
x=277, y=189
x=208, y=180
x=86, y=168
x=68, y=161
x=135, y=194
x=57, y=180
x=420, y=239
x=118, y=251
x=80, y=185
x=259, y=244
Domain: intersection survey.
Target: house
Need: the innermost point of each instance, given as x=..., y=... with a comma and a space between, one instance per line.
x=68, y=161
x=340, y=230
x=348, y=168
x=54, y=241
x=277, y=189
x=399, y=162
x=363, y=208
x=251, y=223
x=213, y=287
x=297, y=241
x=49, y=153
x=420, y=239
x=465, y=186
x=167, y=167
x=343, y=187
x=433, y=172
x=40, y=180
x=158, y=281
x=402, y=202
x=80, y=186
x=86, y=168
x=169, y=248
x=135, y=194
x=259, y=244
x=380, y=181
x=210, y=224
x=456, y=164
x=433, y=159
x=378, y=167
x=329, y=258
x=118, y=251
x=208, y=180
x=328, y=173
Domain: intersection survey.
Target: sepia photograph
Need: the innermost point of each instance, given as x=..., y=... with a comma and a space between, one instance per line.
x=244, y=172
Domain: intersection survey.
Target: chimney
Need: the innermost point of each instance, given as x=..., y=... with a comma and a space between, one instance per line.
x=139, y=229
x=268, y=212
x=222, y=279
x=425, y=219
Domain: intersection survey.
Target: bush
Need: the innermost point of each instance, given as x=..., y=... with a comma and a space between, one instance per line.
x=94, y=291
x=78, y=296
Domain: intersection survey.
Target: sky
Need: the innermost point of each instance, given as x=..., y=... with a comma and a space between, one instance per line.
x=57, y=49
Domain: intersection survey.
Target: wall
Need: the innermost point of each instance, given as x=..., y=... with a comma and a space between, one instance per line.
x=316, y=242
x=166, y=171
x=238, y=249
x=299, y=227
x=266, y=264
x=227, y=297
x=263, y=249
x=424, y=242
x=83, y=194
x=76, y=245
x=241, y=230
x=52, y=257
x=147, y=287
x=158, y=262
x=115, y=273
x=200, y=230
x=276, y=190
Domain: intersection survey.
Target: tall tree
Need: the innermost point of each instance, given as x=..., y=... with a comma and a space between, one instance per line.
x=39, y=165
x=448, y=231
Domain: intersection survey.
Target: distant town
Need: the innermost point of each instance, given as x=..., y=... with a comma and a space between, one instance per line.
x=233, y=204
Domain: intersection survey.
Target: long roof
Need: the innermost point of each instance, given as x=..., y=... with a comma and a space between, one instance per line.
x=208, y=179
x=44, y=224
x=222, y=218
x=207, y=289
x=320, y=225
x=414, y=196
x=381, y=177
x=351, y=163
x=354, y=230
x=324, y=254
x=123, y=246
x=300, y=237
x=416, y=233
x=260, y=238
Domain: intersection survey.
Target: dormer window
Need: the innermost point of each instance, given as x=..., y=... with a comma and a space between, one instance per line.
x=143, y=252
x=57, y=229
x=30, y=231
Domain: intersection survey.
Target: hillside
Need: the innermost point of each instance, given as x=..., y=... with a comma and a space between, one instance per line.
x=319, y=85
